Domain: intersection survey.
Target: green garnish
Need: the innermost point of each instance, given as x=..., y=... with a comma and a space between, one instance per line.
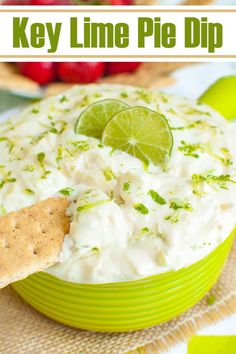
x=10, y=143
x=180, y=204
x=7, y=179
x=108, y=174
x=145, y=230
x=41, y=157
x=156, y=197
x=67, y=191
x=59, y=153
x=36, y=139
x=191, y=149
x=194, y=149
x=190, y=110
x=81, y=145
x=226, y=160
x=88, y=206
x=126, y=186
x=85, y=101
x=211, y=300
x=141, y=208
x=174, y=218
x=199, y=179
x=63, y=99
x=29, y=168
x=144, y=95
x=201, y=124
x=58, y=127
x=89, y=251
x=53, y=130
x=29, y=191
x=35, y=110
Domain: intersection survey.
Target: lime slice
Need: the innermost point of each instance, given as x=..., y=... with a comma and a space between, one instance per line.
x=140, y=132
x=221, y=96
x=93, y=119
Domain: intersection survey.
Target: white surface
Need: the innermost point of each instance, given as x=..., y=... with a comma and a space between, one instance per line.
x=193, y=80
x=215, y=48
x=202, y=75
x=225, y=327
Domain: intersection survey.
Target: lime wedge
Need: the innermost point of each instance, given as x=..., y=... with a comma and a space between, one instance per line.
x=221, y=96
x=140, y=132
x=93, y=119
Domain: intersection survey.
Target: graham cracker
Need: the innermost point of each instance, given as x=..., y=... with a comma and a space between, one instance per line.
x=12, y=80
x=149, y=75
x=31, y=239
x=56, y=88
x=197, y=2
x=146, y=2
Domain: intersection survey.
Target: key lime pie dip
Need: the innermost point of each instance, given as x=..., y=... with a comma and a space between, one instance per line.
x=129, y=218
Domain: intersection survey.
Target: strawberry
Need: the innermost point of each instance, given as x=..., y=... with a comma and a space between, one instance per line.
x=80, y=72
x=114, y=68
x=49, y=2
x=121, y=2
x=40, y=72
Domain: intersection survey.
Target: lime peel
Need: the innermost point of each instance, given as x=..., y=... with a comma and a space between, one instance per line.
x=93, y=119
x=140, y=132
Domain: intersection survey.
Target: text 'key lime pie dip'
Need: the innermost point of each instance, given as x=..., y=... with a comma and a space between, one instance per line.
x=130, y=218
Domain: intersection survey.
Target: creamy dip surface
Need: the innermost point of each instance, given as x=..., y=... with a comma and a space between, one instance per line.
x=128, y=220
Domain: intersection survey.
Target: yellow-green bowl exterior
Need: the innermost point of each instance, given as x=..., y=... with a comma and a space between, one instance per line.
x=221, y=96
x=126, y=306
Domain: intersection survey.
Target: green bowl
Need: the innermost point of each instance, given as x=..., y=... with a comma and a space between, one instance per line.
x=125, y=306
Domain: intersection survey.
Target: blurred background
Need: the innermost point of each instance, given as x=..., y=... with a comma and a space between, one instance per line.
x=23, y=83
x=118, y=2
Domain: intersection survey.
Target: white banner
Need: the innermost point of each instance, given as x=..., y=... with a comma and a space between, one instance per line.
x=118, y=33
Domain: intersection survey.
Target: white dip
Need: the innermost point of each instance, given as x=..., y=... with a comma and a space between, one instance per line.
x=120, y=227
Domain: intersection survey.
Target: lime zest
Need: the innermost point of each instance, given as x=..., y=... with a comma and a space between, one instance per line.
x=88, y=206
x=180, y=204
x=108, y=174
x=174, y=218
x=193, y=150
x=7, y=179
x=41, y=158
x=141, y=208
x=126, y=186
x=29, y=191
x=156, y=197
x=66, y=191
x=199, y=179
